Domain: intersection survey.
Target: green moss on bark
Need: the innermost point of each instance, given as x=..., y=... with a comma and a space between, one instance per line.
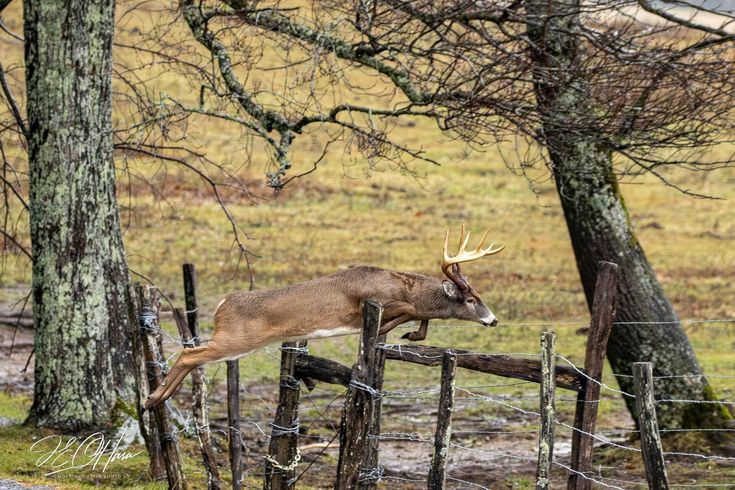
x=706, y=415
x=600, y=226
x=84, y=359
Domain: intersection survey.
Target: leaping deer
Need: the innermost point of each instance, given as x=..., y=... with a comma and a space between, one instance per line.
x=246, y=321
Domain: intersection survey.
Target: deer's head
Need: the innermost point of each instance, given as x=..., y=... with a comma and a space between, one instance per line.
x=466, y=304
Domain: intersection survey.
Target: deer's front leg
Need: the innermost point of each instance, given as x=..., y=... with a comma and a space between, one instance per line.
x=420, y=334
x=391, y=324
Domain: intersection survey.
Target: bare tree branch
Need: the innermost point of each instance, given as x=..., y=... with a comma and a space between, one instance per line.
x=12, y=104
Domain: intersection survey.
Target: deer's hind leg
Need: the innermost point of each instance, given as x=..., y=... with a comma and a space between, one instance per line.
x=187, y=361
x=193, y=358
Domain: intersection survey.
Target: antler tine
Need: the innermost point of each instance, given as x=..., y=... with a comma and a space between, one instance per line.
x=463, y=255
x=450, y=263
x=489, y=250
x=482, y=242
x=463, y=244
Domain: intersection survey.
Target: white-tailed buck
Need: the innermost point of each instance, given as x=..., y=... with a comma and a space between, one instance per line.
x=330, y=306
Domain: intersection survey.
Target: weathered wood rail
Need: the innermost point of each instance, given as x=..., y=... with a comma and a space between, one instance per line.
x=328, y=371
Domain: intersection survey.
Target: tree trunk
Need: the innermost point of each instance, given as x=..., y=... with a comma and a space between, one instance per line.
x=600, y=227
x=84, y=368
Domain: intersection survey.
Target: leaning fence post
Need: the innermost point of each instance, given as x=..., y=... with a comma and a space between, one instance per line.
x=359, y=405
x=585, y=417
x=233, y=422
x=546, y=434
x=283, y=454
x=190, y=299
x=201, y=423
x=438, y=469
x=653, y=454
x=150, y=337
x=199, y=384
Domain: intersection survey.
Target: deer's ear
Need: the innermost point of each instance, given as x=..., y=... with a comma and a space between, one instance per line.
x=450, y=290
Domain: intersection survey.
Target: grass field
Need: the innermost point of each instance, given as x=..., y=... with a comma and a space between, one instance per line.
x=350, y=212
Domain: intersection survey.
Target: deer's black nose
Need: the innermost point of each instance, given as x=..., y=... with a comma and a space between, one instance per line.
x=494, y=322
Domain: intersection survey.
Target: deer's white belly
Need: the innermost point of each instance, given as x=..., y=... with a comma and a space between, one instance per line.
x=330, y=332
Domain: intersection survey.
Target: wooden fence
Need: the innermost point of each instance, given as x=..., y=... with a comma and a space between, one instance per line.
x=358, y=465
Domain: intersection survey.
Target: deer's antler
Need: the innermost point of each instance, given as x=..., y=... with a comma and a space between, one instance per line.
x=449, y=261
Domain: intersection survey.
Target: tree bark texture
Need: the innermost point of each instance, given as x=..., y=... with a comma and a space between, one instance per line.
x=84, y=368
x=599, y=225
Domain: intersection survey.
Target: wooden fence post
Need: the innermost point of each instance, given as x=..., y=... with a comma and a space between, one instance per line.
x=151, y=338
x=198, y=380
x=653, y=454
x=233, y=422
x=190, y=299
x=149, y=431
x=585, y=417
x=359, y=405
x=438, y=469
x=372, y=472
x=547, y=392
x=201, y=419
x=283, y=455
x=148, y=428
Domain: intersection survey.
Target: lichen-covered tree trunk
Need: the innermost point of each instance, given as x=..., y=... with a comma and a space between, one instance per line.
x=84, y=365
x=599, y=226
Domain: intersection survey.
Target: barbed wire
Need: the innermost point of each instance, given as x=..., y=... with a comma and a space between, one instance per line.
x=589, y=378
x=706, y=402
x=692, y=375
x=633, y=431
x=187, y=425
x=585, y=323
x=171, y=339
x=604, y=481
x=465, y=482
x=398, y=348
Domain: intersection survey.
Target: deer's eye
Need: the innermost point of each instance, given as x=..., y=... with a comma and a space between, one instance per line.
x=471, y=300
